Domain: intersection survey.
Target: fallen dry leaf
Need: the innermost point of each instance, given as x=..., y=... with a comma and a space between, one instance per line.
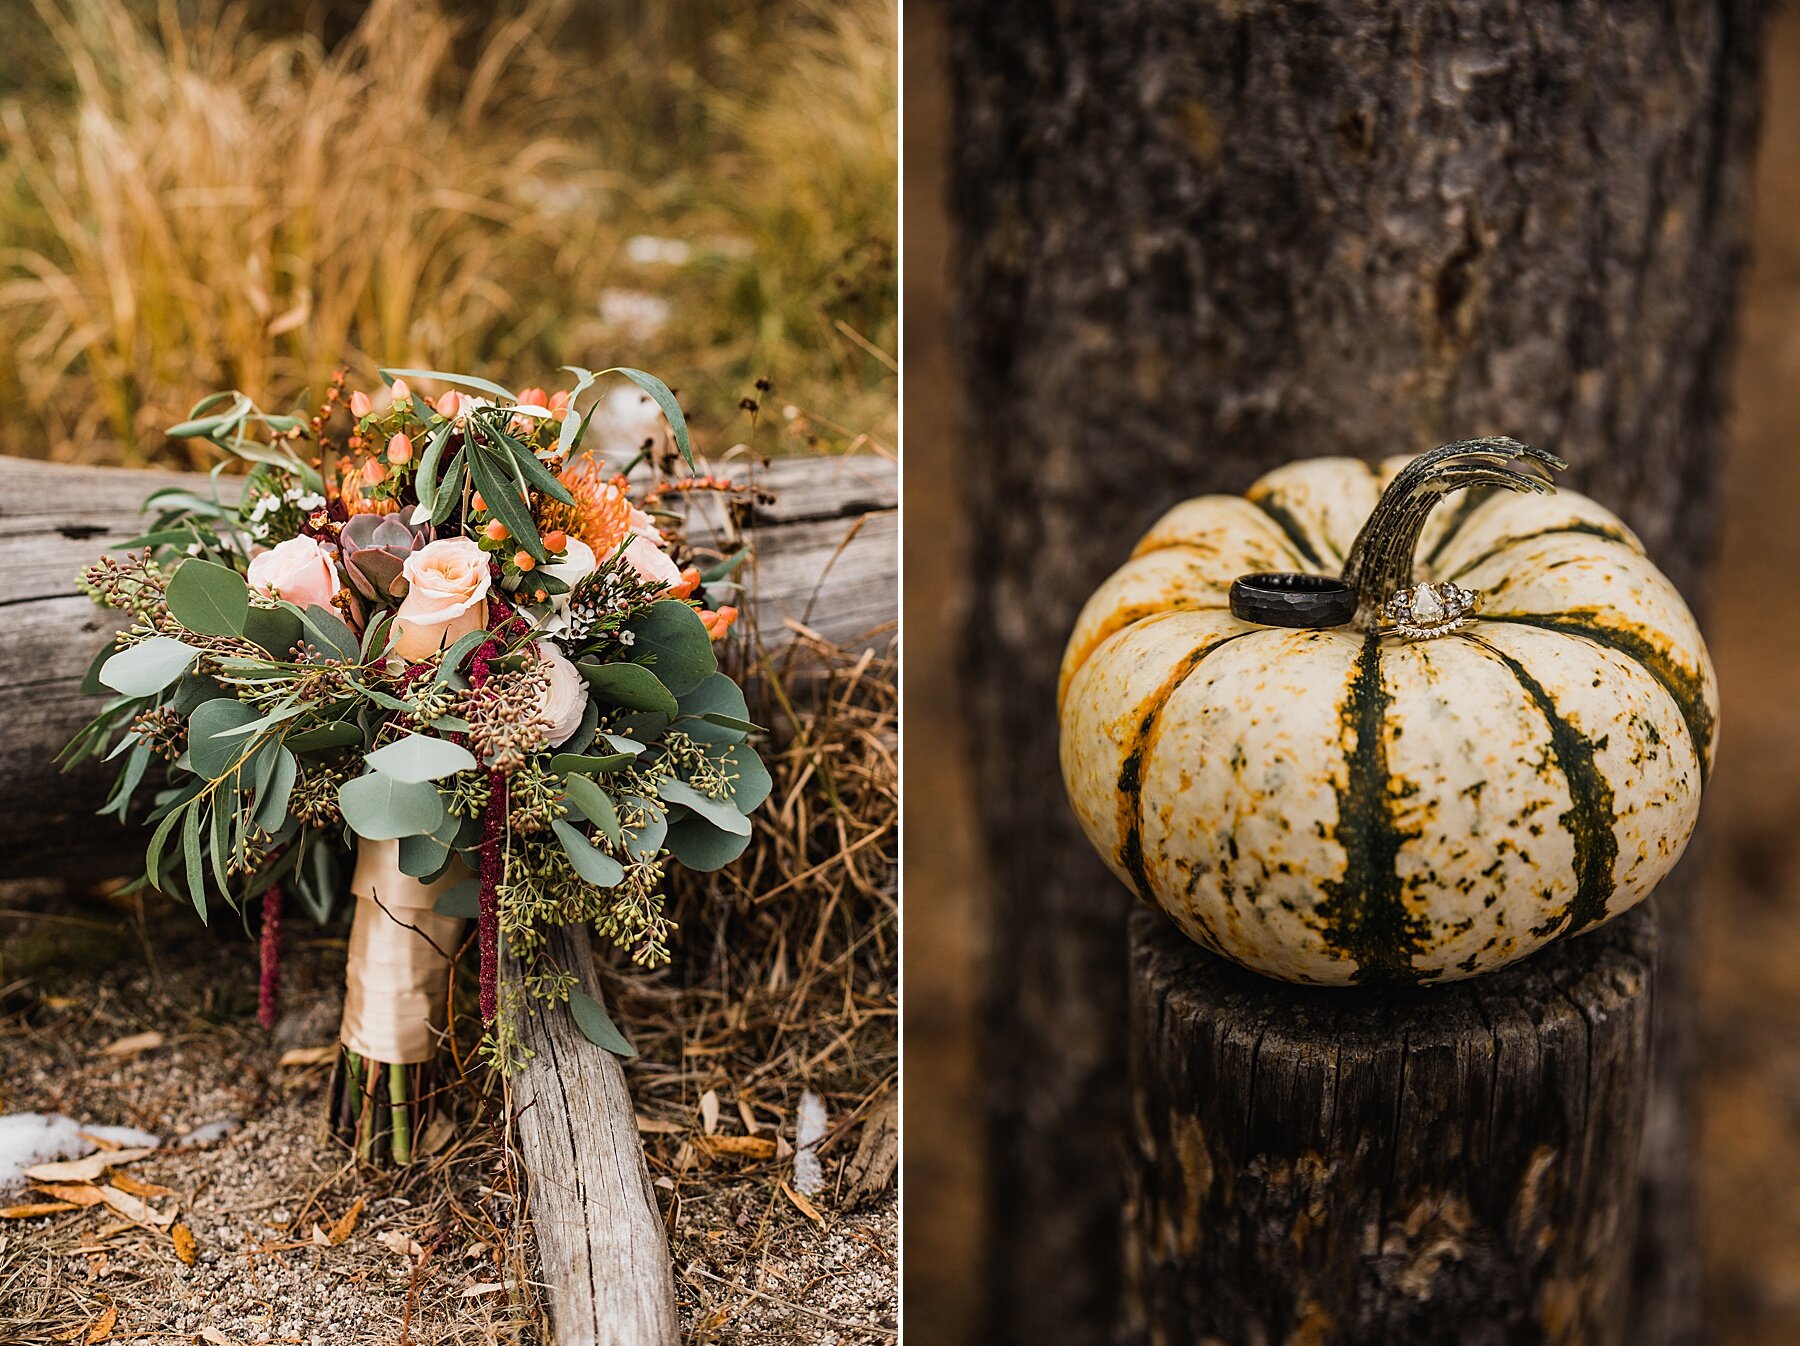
x=804, y=1206
x=82, y=1194
x=307, y=1056
x=346, y=1224
x=709, y=1110
x=437, y=1135
x=100, y=1142
x=102, y=1326
x=401, y=1244
x=126, y=1183
x=650, y=1127
x=85, y=1170
x=32, y=1209
x=136, y=1209
x=217, y=1338
x=485, y=1288
x=742, y=1147
x=134, y=1045
x=187, y=1247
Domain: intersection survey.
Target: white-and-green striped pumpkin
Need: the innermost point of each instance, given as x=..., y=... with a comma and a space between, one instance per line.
x=1335, y=806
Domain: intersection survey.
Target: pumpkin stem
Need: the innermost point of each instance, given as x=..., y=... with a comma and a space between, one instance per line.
x=1381, y=559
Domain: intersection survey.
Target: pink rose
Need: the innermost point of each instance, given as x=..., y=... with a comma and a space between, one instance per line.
x=300, y=570
x=446, y=599
x=645, y=551
x=565, y=702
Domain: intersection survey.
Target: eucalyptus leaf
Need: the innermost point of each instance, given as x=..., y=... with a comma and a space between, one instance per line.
x=379, y=808
x=147, y=667
x=196, y=872
x=422, y=856
x=209, y=598
x=721, y=813
x=212, y=746
x=718, y=704
x=596, y=806
x=752, y=784
x=338, y=734
x=646, y=839
x=271, y=809
x=277, y=630
x=673, y=632
x=593, y=864
x=574, y=764
x=596, y=1025
x=629, y=685
x=700, y=846
x=419, y=757
x=461, y=900
x=330, y=631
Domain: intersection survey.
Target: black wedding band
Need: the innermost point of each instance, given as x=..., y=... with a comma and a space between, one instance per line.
x=1287, y=598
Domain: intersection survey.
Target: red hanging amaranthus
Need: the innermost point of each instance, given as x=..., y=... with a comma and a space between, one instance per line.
x=493, y=841
x=493, y=838
x=269, y=991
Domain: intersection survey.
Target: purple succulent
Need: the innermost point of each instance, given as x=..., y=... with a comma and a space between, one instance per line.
x=375, y=548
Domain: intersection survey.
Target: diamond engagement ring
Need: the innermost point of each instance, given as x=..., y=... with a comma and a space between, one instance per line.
x=1428, y=610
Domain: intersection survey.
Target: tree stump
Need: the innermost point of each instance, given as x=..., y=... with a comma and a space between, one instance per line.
x=1455, y=1164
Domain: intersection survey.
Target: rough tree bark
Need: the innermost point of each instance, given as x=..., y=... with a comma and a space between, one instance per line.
x=1202, y=239
x=1422, y=1166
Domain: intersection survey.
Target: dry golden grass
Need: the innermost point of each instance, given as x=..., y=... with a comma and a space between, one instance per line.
x=191, y=201
x=224, y=209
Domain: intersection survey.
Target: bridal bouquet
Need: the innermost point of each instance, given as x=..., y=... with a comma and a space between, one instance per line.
x=439, y=656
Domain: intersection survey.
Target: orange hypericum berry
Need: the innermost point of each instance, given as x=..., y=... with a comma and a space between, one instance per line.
x=478, y=502
x=360, y=405
x=496, y=531
x=690, y=581
x=541, y=595
x=373, y=471
x=356, y=442
x=556, y=540
x=559, y=401
x=523, y=560
x=400, y=448
x=449, y=404
x=402, y=391
x=534, y=397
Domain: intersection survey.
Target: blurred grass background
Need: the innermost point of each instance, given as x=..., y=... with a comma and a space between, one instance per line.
x=197, y=194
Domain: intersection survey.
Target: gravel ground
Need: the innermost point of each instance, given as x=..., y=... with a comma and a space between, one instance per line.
x=437, y=1254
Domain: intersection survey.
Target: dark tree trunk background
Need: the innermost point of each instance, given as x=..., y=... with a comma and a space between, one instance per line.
x=1199, y=240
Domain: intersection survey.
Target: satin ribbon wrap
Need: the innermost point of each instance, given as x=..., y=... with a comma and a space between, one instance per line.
x=396, y=981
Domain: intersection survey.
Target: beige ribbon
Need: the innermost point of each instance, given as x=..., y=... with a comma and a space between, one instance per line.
x=395, y=983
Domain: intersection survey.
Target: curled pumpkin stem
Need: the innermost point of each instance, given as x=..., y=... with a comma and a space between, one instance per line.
x=1381, y=559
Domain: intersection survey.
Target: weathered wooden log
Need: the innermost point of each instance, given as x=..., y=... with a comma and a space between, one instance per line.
x=1452, y=1164
x=825, y=558
x=603, y=1255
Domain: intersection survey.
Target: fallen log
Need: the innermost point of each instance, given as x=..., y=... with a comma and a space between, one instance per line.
x=603, y=1255
x=826, y=542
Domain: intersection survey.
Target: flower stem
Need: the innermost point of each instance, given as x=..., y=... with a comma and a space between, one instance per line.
x=399, y=1115
x=1381, y=559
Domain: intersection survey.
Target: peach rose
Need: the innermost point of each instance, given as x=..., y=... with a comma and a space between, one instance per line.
x=446, y=599
x=645, y=551
x=565, y=702
x=300, y=570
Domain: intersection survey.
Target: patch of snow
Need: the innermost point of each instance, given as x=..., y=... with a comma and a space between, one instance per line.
x=28, y=1138
x=208, y=1133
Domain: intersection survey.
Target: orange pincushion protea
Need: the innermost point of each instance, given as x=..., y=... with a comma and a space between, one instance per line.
x=601, y=514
